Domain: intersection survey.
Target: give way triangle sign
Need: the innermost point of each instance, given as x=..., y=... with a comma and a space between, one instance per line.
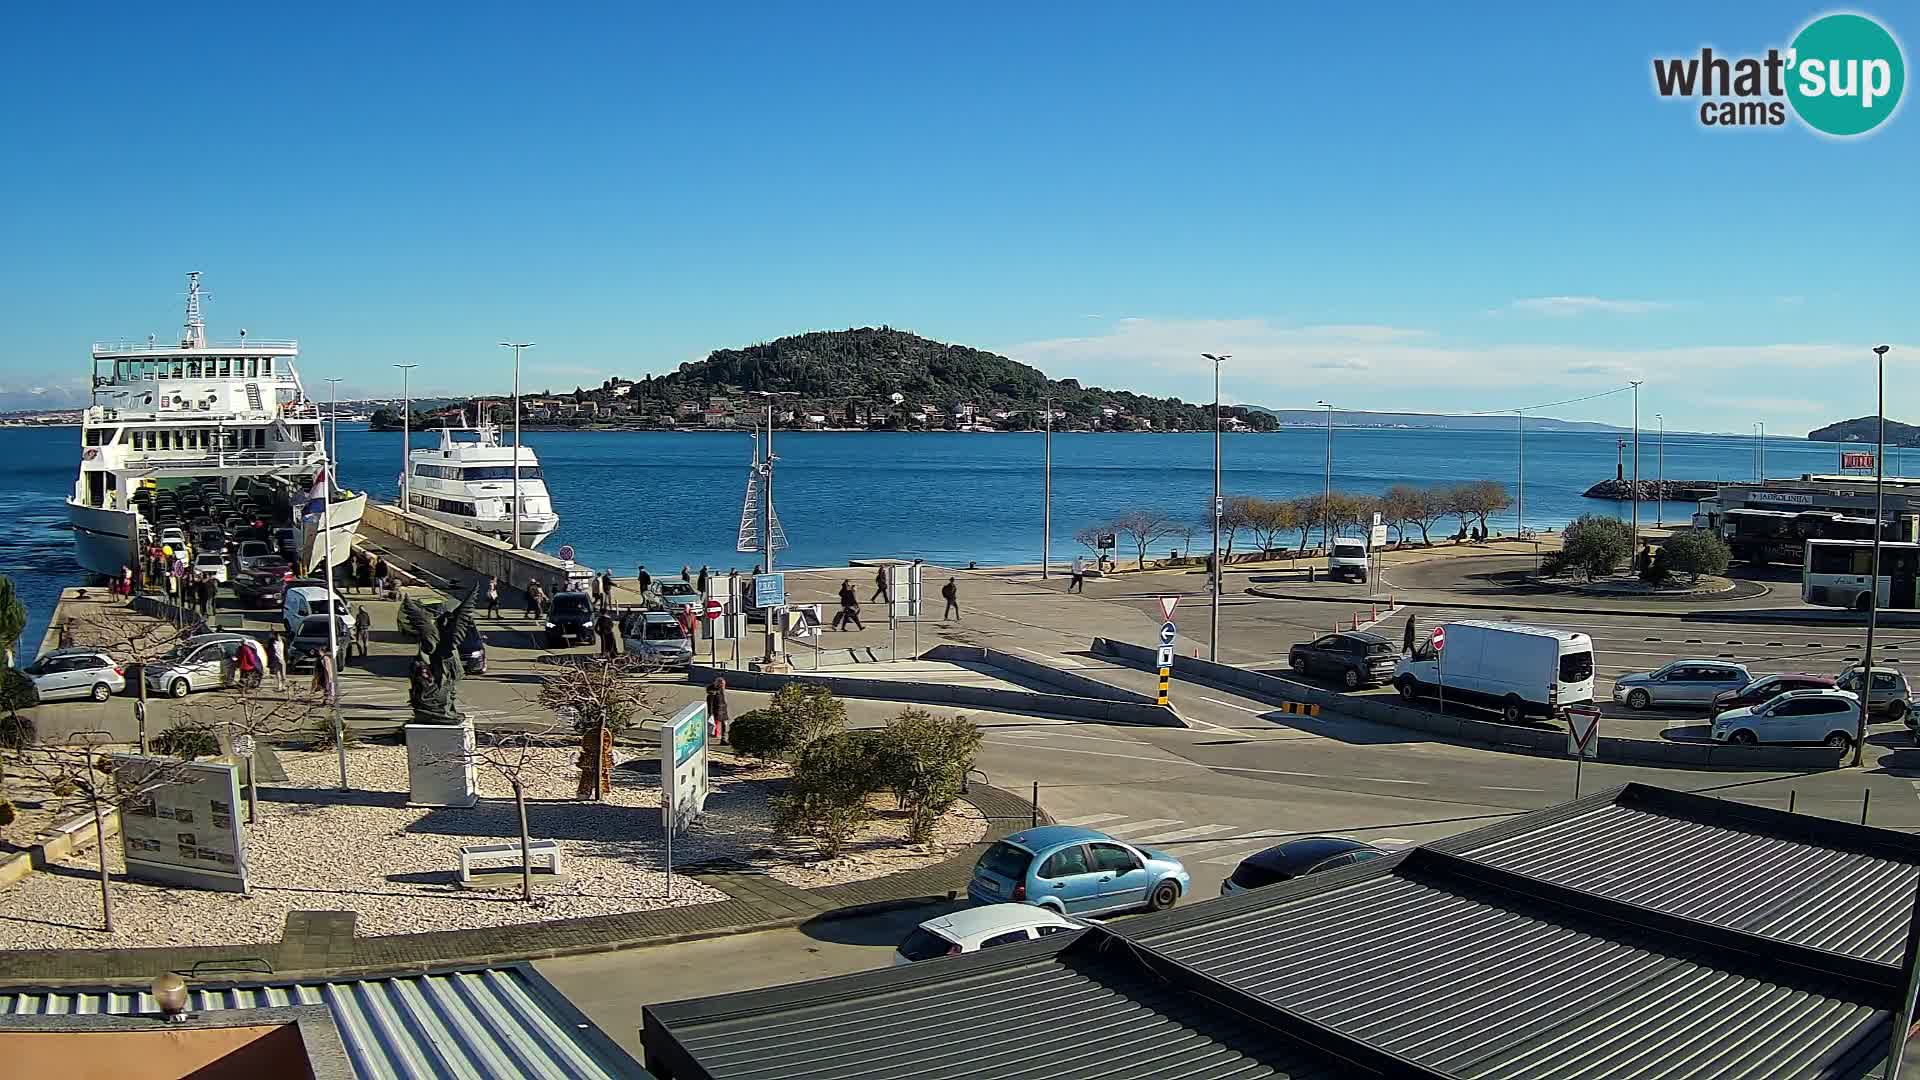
x=1166, y=607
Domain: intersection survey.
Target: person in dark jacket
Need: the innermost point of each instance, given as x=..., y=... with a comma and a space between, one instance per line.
x=645, y=579
x=1406, y=645
x=950, y=592
x=849, y=607
x=880, y=587
x=603, y=626
x=717, y=715
x=706, y=575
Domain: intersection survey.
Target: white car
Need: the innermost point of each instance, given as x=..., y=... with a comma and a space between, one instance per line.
x=302, y=601
x=1798, y=716
x=211, y=563
x=984, y=927
x=172, y=537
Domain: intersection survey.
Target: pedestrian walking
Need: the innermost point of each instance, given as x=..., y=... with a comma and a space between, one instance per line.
x=536, y=597
x=717, y=715
x=606, y=586
x=880, y=587
x=1406, y=644
x=277, y=659
x=593, y=591
x=323, y=681
x=603, y=626
x=362, y=632
x=247, y=666
x=849, y=607
x=645, y=579
x=1079, y=582
x=950, y=592
x=706, y=576
x=493, y=597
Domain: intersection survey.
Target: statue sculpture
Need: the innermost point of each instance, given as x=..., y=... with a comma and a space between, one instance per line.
x=434, y=679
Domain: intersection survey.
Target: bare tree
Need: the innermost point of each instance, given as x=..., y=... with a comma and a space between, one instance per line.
x=1089, y=537
x=1423, y=507
x=1268, y=518
x=1144, y=527
x=1483, y=499
x=134, y=640
x=601, y=697
x=256, y=711
x=514, y=756
x=73, y=771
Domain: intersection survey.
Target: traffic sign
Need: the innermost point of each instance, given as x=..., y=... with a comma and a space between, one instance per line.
x=1166, y=608
x=1439, y=638
x=1167, y=633
x=714, y=608
x=1165, y=659
x=1377, y=538
x=769, y=590
x=1583, y=731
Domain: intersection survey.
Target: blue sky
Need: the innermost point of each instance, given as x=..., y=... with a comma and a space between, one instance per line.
x=1392, y=207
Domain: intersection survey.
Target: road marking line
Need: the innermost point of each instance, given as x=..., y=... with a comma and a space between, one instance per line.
x=1495, y=787
x=1194, y=833
x=1384, y=780
x=1233, y=858
x=1242, y=708
x=1094, y=819
x=1131, y=827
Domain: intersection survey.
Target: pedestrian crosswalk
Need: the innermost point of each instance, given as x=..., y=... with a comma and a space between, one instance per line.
x=1211, y=843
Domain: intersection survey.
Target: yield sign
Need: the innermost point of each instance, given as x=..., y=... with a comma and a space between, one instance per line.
x=1583, y=731
x=1166, y=607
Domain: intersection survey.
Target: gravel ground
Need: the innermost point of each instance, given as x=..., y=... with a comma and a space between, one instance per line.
x=315, y=847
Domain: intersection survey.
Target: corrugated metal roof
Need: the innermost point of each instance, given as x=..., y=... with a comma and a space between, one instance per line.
x=1727, y=872
x=486, y=1023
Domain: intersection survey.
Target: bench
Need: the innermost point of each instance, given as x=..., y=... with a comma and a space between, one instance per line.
x=491, y=859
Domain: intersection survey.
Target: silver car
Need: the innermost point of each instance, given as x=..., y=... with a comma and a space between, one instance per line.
x=656, y=637
x=1688, y=684
x=206, y=662
x=76, y=673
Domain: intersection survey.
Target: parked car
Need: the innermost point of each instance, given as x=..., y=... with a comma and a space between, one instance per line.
x=986, y=927
x=1797, y=716
x=260, y=589
x=1077, y=871
x=286, y=542
x=1687, y=684
x=198, y=663
x=1521, y=670
x=210, y=562
x=310, y=640
x=656, y=638
x=76, y=673
x=570, y=620
x=1297, y=858
x=1357, y=658
x=1766, y=688
x=1347, y=559
x=172, y=536
x=1891, y=698
x=303, y=600
x=678, y=594
x=249, y=552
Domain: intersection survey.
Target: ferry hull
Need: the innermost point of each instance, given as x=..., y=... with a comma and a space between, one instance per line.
x=103, y=538
x=343, y=521
x=532, y=530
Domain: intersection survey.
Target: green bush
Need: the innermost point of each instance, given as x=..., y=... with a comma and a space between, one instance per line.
x=797, y=716
x=188, y=740
x=7, y=813
x=924, y=760
x=320, y=731
x=755, y=734
x=827, y=799
x=1595, y=545
x=1694, y=552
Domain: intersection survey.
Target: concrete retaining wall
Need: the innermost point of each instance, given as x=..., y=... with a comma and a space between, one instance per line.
x=1533, y=740
x=928, y=693
x=485, y=556
x=1072, y=682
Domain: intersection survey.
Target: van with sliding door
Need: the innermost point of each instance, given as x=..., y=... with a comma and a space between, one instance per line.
x=1523, y=671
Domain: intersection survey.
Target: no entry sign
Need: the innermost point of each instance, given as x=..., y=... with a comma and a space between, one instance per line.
x=1439, y=637
x=713, y=609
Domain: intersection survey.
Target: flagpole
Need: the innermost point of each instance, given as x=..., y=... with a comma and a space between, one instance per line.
x=333, y=600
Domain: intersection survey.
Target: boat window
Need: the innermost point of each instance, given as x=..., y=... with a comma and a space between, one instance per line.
x=253, y=367
x=193, y=369
x=266, y=366
x=497, y=472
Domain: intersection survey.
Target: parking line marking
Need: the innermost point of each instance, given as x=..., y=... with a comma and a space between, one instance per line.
x=1095, y=819
x=1495, y=787
x=1194, y=833
x=1242, y=708
x=1133, y=827
x=1384, y=780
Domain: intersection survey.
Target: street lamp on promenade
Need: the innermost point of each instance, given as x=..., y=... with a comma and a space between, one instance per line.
x=1046, y=500
x=1879, y=527
x=1213, y=631
x=1660, y=492
x=516, y=347
x=406, y=439
x=1520, y=488
x=1326, y=501
x=1636, y=466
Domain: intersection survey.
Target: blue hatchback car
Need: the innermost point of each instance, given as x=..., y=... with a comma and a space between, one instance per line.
x=1077, y=871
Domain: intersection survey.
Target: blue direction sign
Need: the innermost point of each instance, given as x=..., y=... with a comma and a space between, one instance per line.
x=769, y=590
x=1167, y=633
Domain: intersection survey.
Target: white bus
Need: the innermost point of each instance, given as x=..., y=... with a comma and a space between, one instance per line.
x=1835, y=573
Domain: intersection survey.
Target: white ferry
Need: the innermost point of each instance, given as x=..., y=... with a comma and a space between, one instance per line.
x=468, y=482
x=204, y=417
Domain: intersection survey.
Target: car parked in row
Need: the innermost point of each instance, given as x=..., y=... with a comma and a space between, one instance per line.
x=1685, y=684
x=204, y=662
x=1797, y=716
x=1766, y=688
x=1297, y=858
x=76, y=673
x=656, y=638
x=986, y=927
x=1356, y=658
x=1077, y=871
x=1891, y=696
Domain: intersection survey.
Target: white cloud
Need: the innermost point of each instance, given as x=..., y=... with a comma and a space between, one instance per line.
x=1566, y=307
x=1361, y=332
x=1342, y=363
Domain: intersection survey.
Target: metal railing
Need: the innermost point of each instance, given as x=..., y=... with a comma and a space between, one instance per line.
x=157, y=460
x=149, y=347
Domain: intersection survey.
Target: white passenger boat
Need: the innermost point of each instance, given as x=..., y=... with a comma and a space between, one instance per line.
x=468, y=481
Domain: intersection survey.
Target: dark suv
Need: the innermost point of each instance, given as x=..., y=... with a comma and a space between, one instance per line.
x=1357, y=658
x=570, y=620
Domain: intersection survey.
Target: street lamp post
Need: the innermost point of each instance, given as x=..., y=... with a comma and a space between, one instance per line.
x=1879, y=527
x=1046, y=499
x=333, y=598
x=1660, y=494
x=1213, y=630
x=1636, y=466
x=766, y=523
x=517, y=515
x=1520, y=487
x=1326, y=500
x=406, y=438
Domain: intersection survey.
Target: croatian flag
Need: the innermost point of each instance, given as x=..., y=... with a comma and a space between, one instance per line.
x=317, y=495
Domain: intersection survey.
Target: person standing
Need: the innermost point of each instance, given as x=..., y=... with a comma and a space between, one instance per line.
x=534, y=595
x=603, y=626
x=365, y=568
x=362, y=631
x=1079, y=582
x=880, y=587
x=950, y=592
x=706, y=575
x=593, y=590
x=686, y=573
x=645, y=579
x=493, y=597
x=717, y=715
x=277, y=658
x=247, y=666
x=606, y=586
x=849, y=606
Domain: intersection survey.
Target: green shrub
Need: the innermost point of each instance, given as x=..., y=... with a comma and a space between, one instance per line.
x=188, y=740
x=1595, y=545
x=797, y=715
x=7, y=813
x=924, y=760
x=827, y=799
x=756, y=734
x=1694, y=552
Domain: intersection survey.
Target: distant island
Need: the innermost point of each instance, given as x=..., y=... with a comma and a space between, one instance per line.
x=866, y=378
x=1448, y=421
x=1867, y=429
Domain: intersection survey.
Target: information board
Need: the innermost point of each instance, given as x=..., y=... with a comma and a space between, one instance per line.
x=183, y=831
x=683, y=768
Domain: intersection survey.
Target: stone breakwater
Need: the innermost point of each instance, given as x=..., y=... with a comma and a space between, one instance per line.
x=1654, y=490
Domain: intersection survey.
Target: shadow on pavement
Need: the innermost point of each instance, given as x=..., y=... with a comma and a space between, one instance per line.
x=879, y=928
x=1688, y=733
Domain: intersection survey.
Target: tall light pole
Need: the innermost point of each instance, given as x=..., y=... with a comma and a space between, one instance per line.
x=1660, y=494
x=1520, y=488
x=766, y=520
x=1763, y=451
x=406, y=439
x=1326, y=501
x=516, y=347
x=1213, y=631
x=1879, y=526
x=1636, y=466
x=1046, y=499
x=333, y=597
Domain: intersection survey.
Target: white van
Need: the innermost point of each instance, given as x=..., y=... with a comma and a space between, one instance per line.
x=1521, y=670
x=1348, y=558
x=305, y=600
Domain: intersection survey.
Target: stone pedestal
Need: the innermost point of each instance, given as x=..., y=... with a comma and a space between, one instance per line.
x=438, y=771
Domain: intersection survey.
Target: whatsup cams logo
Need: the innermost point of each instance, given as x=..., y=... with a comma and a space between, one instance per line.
x=1841, y=76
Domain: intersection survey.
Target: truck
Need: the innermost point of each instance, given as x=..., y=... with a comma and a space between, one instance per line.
x=1348, y=558
x=1523, y=671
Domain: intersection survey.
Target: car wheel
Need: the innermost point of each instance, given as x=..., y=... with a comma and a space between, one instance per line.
x=1742, y=738
x=1839, y=740
x=1352, y=678
x=1896, y=711
x=1409, y=688
x=1513, y=710
x=1862, y=602
x=101, y=691
x=179, y=688
x=1164, y=896
x=1639, y=699
x=1299, y=665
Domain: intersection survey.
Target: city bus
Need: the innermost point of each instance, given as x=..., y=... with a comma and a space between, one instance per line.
x=1763, y=536
x=1835, y=573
